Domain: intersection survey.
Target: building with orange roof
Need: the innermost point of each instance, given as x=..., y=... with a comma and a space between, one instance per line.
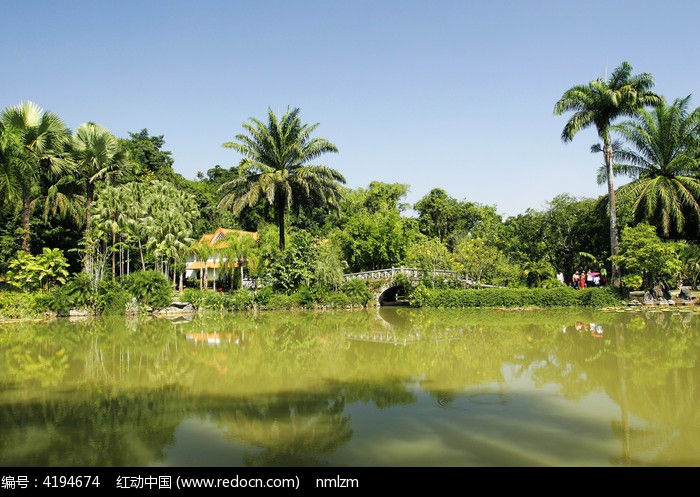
x=214, y=245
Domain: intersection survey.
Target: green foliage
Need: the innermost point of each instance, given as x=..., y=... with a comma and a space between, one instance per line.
x=149, y=287
x=539, y=274
x=280, y=301
x=59, y=301
x=328, y=265
x=146, y=150
x=112, y=298
x=428, y=255
x=243, y=299
x=276, y=168
x=447, y=219
x=10, y=233
x=215, y=301
x=305, y=297
x=689, y=254
x=79, y=290
x=76, y=293
x=663, y=163
x=30, y=272
x=401, y=281
x=514, y=297
x=19, y=304
x=477, y=260
x=263, y=295
x=376, y=240
x=642, y=253
x=358, y=292
x=289, y=268
x=194, y=296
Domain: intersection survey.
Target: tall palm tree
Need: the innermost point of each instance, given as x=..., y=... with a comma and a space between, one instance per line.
x=107, y=216
x=275, y=168
x=9, y=147
x=98, y=155
x=662, y=161
x=598, y=104
x=41, y=136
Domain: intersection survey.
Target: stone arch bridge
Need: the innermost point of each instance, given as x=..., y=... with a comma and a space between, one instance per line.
x=387, y=292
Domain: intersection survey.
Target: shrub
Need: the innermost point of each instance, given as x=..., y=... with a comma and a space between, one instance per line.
x=514, y=297
x=338, y=300
x=112, y=298
x=79, y=291
x=242, y=299
x=217, y=301
x=16, y=305
x=357, y=291
x=149, y=288
x=59, y=300
x=282, y=301
x=304, y=297
x=193, y=295
x=30, y=272
x=263, y=296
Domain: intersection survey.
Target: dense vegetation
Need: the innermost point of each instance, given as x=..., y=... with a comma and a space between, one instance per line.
x=93, y=221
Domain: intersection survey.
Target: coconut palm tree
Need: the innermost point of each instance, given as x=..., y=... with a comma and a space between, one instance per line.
x=9, y=156
x=662, y=161
x=275, y=168
x=98, y=155
x=41, y=137
x=598, y=104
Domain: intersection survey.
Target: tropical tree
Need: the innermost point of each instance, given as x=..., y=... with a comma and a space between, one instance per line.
x=430, y=255
x=275, y=168
x=477, y=260
x=645, y=258
x=439, y=214
x=98, y=155
x=9, y=157
x=598, y=104
x=108, y=215
x=239, y=251
x=662, y=161
x=40, y=136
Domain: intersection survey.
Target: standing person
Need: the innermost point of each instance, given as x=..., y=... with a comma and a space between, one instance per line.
x=575, y=280
x=589, y=278
x=603, y=276
x=582, y=280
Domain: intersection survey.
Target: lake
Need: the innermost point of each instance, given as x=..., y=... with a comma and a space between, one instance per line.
x=389, y=386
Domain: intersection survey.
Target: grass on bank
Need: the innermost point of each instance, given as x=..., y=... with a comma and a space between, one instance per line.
x=113, y=299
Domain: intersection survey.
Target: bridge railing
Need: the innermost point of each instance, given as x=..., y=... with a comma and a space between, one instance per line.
x=413, y=273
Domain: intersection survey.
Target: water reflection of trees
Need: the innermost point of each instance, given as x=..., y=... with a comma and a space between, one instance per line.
x=647, y=364
x=279, y=385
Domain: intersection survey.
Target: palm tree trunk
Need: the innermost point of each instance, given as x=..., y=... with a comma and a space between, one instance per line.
x=280, y=222
x=26, y=217
x=88, y=202
x=608, y=153
x=143, y=262
x=114, y=255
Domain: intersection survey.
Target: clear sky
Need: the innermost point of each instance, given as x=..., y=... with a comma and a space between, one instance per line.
x=449, y=94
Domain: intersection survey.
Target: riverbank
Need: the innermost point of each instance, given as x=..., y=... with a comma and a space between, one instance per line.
x=36, y=306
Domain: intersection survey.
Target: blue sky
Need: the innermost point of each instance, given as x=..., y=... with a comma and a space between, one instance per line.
x=434, y=94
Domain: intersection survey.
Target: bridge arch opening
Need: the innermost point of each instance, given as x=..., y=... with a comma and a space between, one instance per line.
x=392, y=296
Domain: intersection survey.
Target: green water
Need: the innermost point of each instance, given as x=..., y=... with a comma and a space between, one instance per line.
x=383, y=387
